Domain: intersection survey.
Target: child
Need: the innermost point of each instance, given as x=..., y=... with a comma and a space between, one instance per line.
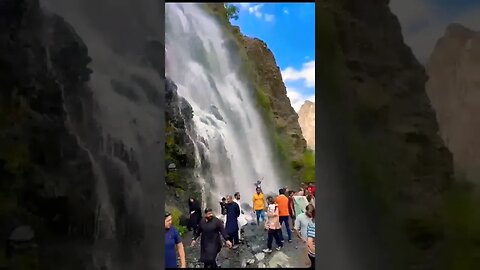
x=273, y=226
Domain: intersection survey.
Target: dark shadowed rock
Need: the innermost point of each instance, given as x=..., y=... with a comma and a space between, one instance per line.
x=22, y=234
x=43, y=61
x=385, y=165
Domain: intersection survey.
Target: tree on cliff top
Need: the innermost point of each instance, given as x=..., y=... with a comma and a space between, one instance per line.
x=232, y=11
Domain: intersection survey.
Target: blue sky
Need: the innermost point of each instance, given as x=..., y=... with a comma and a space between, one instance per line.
x=424, y=22
x=289, y=31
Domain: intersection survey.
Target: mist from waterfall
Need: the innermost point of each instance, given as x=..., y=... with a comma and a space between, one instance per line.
x=229, y=135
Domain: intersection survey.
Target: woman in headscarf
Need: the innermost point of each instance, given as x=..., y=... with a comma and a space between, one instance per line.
x=195, y=214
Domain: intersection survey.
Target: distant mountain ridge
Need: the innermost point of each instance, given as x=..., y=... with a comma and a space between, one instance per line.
x=454, y=90
x=306, y=119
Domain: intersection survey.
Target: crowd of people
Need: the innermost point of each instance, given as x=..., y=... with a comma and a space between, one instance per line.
x=292, y=209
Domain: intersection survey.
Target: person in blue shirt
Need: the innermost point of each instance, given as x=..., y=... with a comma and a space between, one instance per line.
x=173, y=243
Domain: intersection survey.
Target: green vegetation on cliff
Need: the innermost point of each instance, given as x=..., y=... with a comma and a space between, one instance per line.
x=176, y=215
x=232, y=11
x=309, y=164
x=262, y=75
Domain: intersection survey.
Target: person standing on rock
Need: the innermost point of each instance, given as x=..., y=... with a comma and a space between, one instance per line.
x=311, y=199
x=301, y=192
x=311, y=240
x=259, y=205
x=258, y=183
x=299, y=203
x=173, y=241
x=311, y=189
x=291, y=207
x=282, y=202
x=223, y=209
x=302, y=221
x=195, y=214
x=231, y=227
x=241, y=219
x=210, y=229
x=236, y=199
x=273, y=226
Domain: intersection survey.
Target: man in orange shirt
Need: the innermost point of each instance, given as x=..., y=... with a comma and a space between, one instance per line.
x=282, y=202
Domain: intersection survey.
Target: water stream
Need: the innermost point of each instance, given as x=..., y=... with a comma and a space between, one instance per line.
x=229, y=132
x=125, y=148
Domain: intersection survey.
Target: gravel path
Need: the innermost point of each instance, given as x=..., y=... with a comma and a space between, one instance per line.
x=249, y=254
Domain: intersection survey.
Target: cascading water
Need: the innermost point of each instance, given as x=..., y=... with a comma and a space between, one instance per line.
x=124, y=143
x=123, y=133
x=229, y=135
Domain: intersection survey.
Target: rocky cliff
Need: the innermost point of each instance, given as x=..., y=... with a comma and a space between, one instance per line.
x=46, y=177
x=375, y=88
x=179, y=150
x=264, y=77
x=306, y=119
x=454, y=90
x=62, y=174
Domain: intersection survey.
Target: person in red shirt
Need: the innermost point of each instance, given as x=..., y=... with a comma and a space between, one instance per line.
x=311, y=189
x=283, y=213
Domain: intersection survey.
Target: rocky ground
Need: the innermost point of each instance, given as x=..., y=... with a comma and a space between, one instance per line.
x=249, y=254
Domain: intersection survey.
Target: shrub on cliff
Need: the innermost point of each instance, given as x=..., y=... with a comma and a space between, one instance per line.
x=176, y=215
x=232, y=11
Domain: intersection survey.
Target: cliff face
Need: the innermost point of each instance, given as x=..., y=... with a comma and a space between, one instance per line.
x=46, y=177
x=269, y=74
x=395, y=151
x=454, y=90
x=179, y=150
x=306, y=119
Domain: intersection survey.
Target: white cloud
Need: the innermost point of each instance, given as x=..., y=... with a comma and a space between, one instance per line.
x=256, y=10
x=285, y=11
x=424, y=22
x=244, y=5
x=297, y=99
x=306, y=74
x=269, y=17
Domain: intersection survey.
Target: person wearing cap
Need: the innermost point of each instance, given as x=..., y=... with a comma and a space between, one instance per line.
x=173, y=241
x=210, y=229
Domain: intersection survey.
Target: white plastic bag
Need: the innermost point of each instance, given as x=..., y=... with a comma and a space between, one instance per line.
x=242, y=221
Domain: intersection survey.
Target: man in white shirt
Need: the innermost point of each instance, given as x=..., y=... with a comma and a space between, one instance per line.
x=241, y=218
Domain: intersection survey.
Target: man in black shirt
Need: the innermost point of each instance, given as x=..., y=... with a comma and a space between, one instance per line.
x=210, y=229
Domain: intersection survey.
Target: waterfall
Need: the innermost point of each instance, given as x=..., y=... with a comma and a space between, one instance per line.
x=229, y=131
x=119, y=119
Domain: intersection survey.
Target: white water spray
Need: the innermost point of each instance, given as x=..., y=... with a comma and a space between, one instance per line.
x=229, y=130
